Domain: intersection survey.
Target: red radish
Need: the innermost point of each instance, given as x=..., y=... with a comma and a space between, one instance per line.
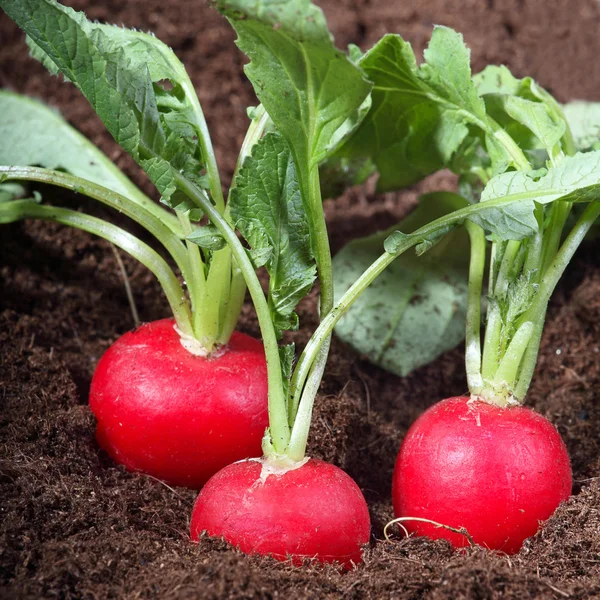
x=495, y=471
x=179, y=417
x=314, y=510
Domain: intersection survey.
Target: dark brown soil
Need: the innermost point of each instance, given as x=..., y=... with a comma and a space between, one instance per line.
x=74, y=525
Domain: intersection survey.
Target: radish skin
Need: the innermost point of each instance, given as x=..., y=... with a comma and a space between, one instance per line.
x=179, y=417
x=313, y=511
x=497, y=472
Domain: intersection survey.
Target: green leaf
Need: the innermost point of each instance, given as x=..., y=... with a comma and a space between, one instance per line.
x=447, y=69
x=513, y=222
x=259, y=256
x=34, y=134
x=267, y=208
x=575, y=179
x=339, y=173
x=521, y=107
x=120, y=72
x=312, y=91
x=415, y=310
x=420, y=116
x=496, y=79
x=584, y=121
x=537, y=118
x=286, y=356
x=207, y=237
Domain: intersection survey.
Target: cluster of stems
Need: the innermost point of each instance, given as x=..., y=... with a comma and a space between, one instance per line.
x=522, y=277
x=500, y=372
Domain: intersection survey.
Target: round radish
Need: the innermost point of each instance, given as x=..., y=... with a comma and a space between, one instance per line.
x=497, y=472
x=179, y=417
x=313, y=510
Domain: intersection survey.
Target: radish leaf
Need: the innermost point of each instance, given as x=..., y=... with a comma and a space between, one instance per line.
x=120, y=74
x=267, y=208
x=513, y=222
x=207, y=237
x=420, y=116
x=521, y=107
x=584, y=120
x=575, y=179
x=35, y=134
x=312, y=91
x=415, y=310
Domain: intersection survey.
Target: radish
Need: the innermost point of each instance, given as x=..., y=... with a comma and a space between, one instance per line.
x=484, y=465
x=162, y=410
x=309, y=510
x=493, y=471
x=177, y=399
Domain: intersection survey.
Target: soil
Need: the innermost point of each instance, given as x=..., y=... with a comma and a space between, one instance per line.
x=75, y=525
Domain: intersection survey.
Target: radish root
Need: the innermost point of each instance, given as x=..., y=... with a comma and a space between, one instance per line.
x=398, y=521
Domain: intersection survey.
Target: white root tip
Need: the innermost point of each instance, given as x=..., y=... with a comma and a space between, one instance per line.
x=277, y=465
x=193, y=346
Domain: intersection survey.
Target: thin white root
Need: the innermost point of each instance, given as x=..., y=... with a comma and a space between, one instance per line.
x=398, y=521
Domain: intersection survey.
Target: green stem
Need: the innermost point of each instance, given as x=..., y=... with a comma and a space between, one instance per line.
x=529, y=361
x=279, y=428
x=237, y=293
x=498, y=282
x=196, y=282
x=517, y=266
x=537, y=311
x=308, y=356
x=215, y=297
x=25, y=209
x=133, y=210
x=492, y=270
x=491, y=344
x=325, y=328
x=303, y=396
x=320, y=241
x=559, y=213
x=231, y=307
x=506, y=373
x=473, y=321
x=506, y=267
x=208, y=153
x=214, y=301
x=535, y=246
x=302, y=420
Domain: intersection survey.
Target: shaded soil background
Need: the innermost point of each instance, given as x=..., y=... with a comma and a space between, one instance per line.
x=73, y=525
